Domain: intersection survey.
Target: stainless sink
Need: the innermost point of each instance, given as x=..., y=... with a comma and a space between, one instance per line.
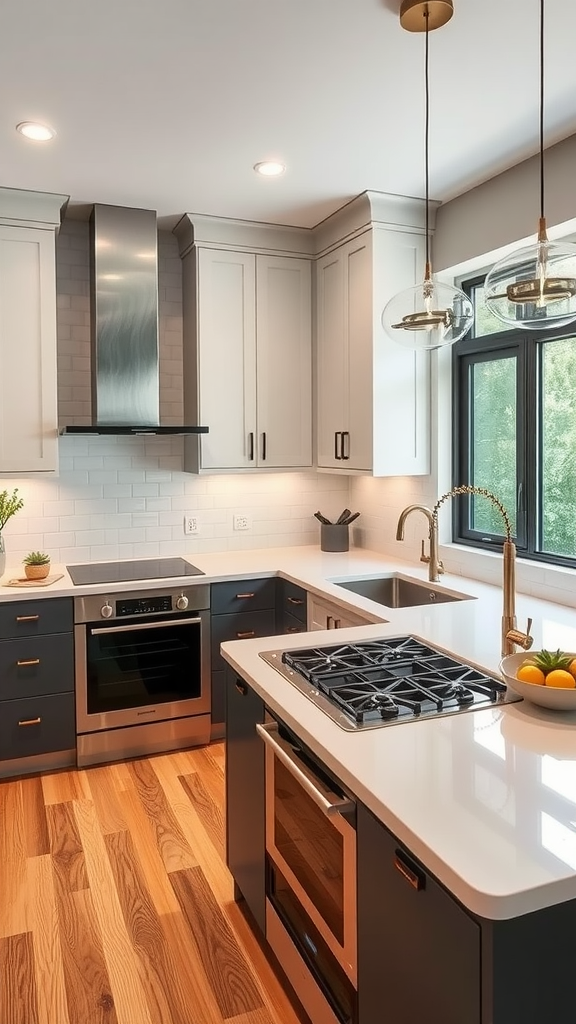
x=398, y=592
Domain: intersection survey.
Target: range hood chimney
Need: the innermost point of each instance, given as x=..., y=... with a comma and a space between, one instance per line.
x=124, y=325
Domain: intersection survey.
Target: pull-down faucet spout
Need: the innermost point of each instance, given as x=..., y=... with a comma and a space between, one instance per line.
x=435, y=567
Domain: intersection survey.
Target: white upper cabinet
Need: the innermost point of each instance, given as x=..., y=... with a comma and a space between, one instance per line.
x=283, y=361
x=373, y=397
x=28, y=405
x=247, y=356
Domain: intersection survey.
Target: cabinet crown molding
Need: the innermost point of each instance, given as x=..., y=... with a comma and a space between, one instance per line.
x=35, y=209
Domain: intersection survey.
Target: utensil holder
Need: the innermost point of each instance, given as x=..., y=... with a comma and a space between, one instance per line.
x=334, y=537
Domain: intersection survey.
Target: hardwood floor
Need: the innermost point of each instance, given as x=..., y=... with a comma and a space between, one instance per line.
x=116, y=904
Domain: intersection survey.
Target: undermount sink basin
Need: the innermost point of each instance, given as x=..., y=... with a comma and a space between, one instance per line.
x=398, y=592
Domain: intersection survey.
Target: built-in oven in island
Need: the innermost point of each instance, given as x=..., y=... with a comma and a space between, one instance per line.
x=310, y=878
x=142, y=672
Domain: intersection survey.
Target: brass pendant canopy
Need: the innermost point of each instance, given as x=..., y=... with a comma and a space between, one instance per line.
x=413, y=14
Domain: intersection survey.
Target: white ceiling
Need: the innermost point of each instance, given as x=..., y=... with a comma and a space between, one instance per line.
x=167, y=104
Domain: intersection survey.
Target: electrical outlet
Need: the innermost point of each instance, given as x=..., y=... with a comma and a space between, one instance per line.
x=190, y=523
x=241, y=522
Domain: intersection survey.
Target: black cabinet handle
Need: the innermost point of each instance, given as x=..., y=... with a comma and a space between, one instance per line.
x=241, y=687
x=251, y=446
x=337, y=434
x=264, y=446
x=415, y=878
x=346, y=444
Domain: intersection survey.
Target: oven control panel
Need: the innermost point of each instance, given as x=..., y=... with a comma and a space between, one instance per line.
x=144, y=605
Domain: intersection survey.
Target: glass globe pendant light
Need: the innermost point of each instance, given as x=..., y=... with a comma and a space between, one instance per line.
x=535, y=287
x=430, y=315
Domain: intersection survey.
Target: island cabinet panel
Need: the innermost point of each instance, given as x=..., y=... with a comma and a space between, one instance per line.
x=528, y=967
x=245, y=795
x=419, y=951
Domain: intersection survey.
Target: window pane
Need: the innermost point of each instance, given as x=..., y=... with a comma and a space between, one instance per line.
x=484, y=321
x=493, y=441
x=558, y=430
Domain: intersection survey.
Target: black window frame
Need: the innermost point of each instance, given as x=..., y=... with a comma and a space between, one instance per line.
x=526, y=346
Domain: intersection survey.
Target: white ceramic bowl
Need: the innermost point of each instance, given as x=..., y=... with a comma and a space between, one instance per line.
x=554, y=697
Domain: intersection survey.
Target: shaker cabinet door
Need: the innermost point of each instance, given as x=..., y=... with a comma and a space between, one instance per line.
x=284, y=361
x=227, y=358
x=28, y=417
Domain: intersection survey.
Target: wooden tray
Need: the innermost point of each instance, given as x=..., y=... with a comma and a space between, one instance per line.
x=24, y=582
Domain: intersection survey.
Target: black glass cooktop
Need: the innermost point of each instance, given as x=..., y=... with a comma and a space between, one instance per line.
x=124, y=572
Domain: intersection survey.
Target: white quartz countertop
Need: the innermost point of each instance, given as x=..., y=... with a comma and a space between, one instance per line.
x=485, y=799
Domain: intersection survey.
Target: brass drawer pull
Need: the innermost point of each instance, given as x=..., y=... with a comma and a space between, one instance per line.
x=244, y=636
x=415, y=879
x=30, y=661
x=31, y=721
x=294, y=629
x=242, y=597
x=27, y=618
x=295, y=600
x=241, y=687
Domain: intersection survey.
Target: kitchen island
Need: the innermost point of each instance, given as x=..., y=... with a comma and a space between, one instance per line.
x=479, y=807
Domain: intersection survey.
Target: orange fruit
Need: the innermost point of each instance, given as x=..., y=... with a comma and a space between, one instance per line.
x=531, y=674
x=572, y=667
x=560, y=677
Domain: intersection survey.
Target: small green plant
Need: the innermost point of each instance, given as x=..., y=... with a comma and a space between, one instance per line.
x=9, y=505
x=36, y=558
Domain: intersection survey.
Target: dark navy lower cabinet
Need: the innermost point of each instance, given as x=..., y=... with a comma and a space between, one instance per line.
x=418, y=949
x=37, y=703
x=245, y=795
x=424, y=959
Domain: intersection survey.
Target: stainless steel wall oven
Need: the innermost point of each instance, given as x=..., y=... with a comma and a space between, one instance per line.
x=310, y=878
x=142, y=672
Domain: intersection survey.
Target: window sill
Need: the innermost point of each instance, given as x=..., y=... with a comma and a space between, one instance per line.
x=547, y=582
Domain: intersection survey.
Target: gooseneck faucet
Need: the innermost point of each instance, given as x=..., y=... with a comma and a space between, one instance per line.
x=510, y=635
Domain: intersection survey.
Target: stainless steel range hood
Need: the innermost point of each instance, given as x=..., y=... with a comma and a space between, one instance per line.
x=124, y=328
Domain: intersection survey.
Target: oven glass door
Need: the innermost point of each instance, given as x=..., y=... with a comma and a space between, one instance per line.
x=312, y=842
x=143, y=663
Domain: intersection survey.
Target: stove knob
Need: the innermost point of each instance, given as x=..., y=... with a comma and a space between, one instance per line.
x=106, y=610
x=182, y=603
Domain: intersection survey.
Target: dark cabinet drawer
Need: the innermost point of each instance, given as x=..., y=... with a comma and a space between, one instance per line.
x=37, y=725
x=36, y=618
x=30, y=667
x=239, y=627
x=242, y=595
x=290, y=624
x=409, y=911
x=291, y=602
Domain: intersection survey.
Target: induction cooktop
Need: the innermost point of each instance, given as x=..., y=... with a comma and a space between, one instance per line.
x=125, y=572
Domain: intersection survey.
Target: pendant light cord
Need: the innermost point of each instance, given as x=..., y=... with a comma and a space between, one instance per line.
x=427, y=134
x=541, y=108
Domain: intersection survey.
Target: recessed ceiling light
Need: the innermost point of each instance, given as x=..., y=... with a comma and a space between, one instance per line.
x=34, y=130
x=270, y=168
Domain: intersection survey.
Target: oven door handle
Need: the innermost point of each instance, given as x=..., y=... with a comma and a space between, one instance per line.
x=144, y=625
x=328, y=802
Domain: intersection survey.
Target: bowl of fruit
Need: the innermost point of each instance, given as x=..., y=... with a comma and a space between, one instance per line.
x=547, y=678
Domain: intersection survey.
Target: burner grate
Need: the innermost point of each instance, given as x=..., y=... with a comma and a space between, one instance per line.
x=393, y=678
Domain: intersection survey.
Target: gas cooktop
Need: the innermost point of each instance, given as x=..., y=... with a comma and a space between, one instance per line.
x=125, y=572
x=388, y=681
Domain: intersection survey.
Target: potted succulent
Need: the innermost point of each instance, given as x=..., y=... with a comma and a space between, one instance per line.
x=36, y=565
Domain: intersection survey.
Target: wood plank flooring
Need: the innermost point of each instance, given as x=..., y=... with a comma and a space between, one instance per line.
x=116, y=905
